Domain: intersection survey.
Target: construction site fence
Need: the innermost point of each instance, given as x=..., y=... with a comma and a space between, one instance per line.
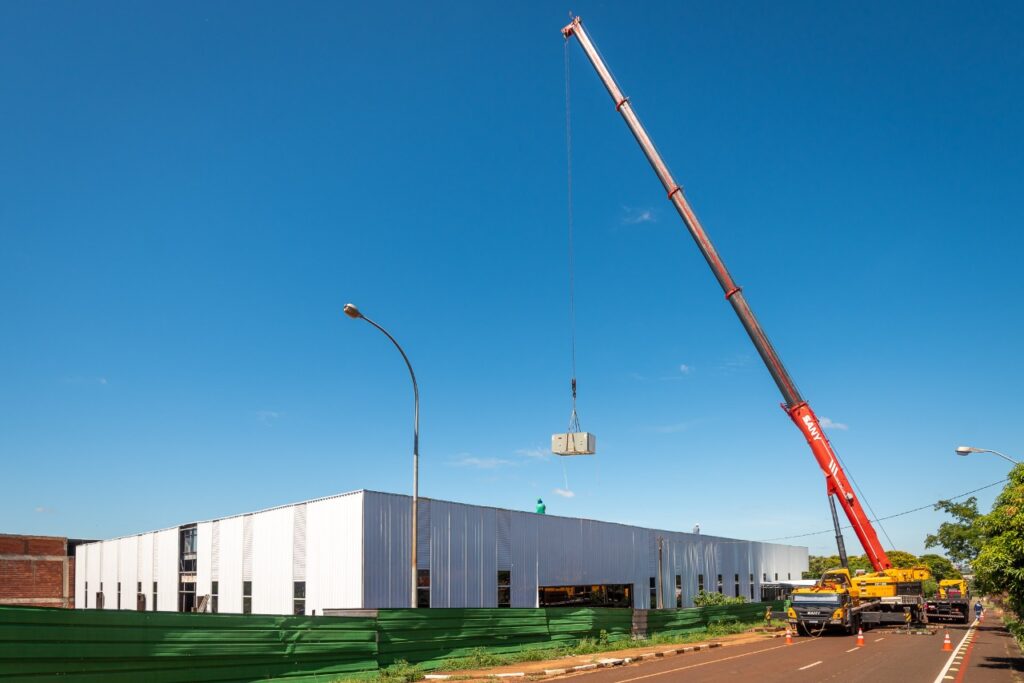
x=94, y=646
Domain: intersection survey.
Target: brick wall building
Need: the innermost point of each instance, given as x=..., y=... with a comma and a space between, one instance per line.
x=37, y=571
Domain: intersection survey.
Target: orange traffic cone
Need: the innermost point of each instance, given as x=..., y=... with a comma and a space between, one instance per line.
x=789, y=637
x=860, y=637
x=947, y=646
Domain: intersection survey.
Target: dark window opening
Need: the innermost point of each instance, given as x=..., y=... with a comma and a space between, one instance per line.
x=187, y=543
x=187, y=540
x=607, y=595
x=751, y=587
x=214, y=596
x=737, y=585
x=87, y=595
x=118, y=595
x=679, y=590
x=654, y=593
x=504, y=588
x=423, y=588
x=187, y=593
x=299, y=598
x=154, y=596
x=719, y=586
x=764, y=577
x=247, y=597
x=776, y=576
x=700, y=583
x=789, y=576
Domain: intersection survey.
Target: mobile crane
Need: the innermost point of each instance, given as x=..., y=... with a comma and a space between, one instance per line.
x=839, y=599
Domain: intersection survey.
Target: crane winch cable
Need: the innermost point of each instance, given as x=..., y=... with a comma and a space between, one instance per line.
x=574, y=419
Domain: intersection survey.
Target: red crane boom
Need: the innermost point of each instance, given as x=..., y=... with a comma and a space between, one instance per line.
x=795, y=406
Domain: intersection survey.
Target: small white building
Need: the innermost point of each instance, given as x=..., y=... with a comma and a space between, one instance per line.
x=352, y=551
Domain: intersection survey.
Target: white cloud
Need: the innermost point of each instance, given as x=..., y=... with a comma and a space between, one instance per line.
x=637, y=216
x=79, y=379
x=42, y=509
x=564, y=493
x=480, y=463
x=827, y=423
x=685, y=369
x=267, y=415
x=537, y=452
x=673, y=428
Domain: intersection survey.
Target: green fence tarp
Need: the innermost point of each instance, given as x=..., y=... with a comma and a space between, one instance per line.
x=100, y=646
x=678, y=621
x=428, y=637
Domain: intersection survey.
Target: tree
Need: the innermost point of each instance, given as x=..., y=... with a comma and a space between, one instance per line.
x=902, y=559
x=941, y=568
x=704, y=599
x=999, y=565
x=963, y=538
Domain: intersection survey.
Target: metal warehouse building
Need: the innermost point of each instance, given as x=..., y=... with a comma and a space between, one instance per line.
x=352, y=551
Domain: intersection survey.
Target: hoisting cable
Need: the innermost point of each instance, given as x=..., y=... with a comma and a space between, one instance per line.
x=574, y=420
x=866, y=502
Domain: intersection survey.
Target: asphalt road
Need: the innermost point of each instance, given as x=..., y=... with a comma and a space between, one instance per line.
x=984, y=654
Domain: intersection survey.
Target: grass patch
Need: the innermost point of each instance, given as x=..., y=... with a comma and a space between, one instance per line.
x=480, y=658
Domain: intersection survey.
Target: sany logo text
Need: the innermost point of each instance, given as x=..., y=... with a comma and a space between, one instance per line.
x=812, y=428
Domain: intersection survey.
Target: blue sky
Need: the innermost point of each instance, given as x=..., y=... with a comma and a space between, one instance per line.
x=193, y=190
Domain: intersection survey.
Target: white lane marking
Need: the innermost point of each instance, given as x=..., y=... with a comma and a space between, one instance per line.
x=853, y=649
x=809, y=665
x=952, y=655
x=714, y=661
x=878, y=640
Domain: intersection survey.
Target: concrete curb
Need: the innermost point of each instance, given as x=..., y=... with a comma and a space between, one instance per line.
x=604, y=663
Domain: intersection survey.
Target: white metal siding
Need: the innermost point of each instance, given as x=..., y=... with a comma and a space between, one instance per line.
x=81, y=568
x=357, y=556
x=272, y=561
x=230, y=566
x=108, y=575
x=387, y=545
x=93, y=566
x=467, y=544
x=145, y=567
x=128, y=572
x=204, y=559
x=166, y=542
x=334, y=558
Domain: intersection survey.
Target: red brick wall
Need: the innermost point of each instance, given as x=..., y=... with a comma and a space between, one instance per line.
x=35, y=571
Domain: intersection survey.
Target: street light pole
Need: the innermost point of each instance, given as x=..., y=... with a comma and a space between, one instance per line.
x=967, y=450
x=354, y=313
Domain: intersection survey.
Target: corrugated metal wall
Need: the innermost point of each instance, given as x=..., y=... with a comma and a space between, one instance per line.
x=167, y=569
x=229, y=558
x=355, y=554
x=204, y=559
x=468, y=545
x=334, y=560
x=272, y=561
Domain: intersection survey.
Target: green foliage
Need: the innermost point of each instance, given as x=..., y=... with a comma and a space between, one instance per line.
x=902, y=559
x=819, y=564
x=400, y=672
x=930, y=588
x=705, y=599
x=999, y=565
x=940, y=566
x=963, y=538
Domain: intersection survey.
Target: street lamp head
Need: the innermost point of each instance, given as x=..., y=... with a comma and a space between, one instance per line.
x=352, y=312
x=966, y=450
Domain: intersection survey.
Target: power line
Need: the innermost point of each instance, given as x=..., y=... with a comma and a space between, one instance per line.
x=880, y=519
